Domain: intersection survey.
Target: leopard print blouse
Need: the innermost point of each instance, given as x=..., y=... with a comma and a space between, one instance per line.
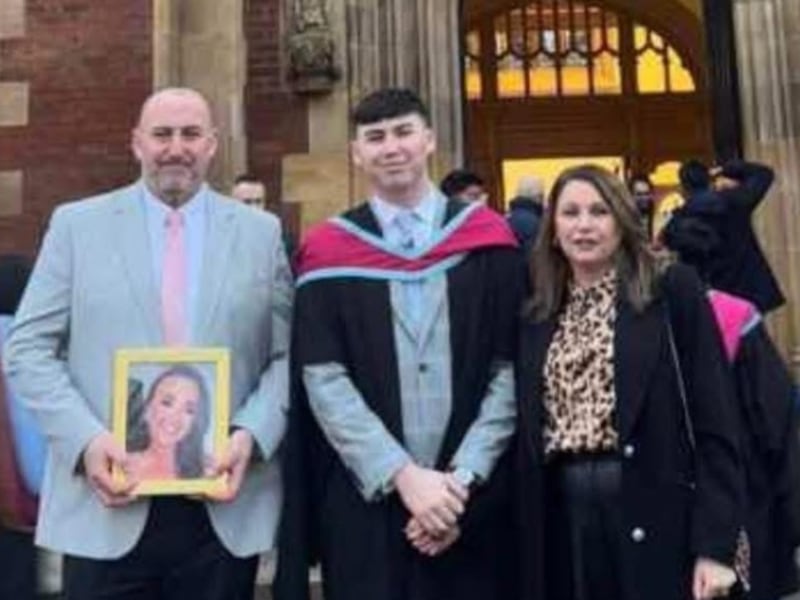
x=579, y=397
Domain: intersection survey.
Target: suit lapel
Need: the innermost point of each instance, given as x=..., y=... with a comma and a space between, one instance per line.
x=436, y=290
x=399, y=311
x=217, y=260
x=435, y=294
x=536, y=339
x=637, y=350
x=130, y=224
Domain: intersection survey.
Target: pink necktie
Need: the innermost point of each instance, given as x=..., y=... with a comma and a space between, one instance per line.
x=173, y=282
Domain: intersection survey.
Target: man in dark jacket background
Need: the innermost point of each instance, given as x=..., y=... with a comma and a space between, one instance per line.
x=525, y=211
x=723, y=200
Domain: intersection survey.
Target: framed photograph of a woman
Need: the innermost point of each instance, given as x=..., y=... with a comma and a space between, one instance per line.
x=171, y=412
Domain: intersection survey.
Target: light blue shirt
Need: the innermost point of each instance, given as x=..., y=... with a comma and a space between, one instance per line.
x=426, y=218
x=408, y=229
x=195, y=219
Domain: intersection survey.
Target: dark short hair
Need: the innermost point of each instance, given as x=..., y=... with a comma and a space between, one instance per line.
x=694, y=176
x=15, y=270
x=246, y=178
x=457, y=180
x=389, y=103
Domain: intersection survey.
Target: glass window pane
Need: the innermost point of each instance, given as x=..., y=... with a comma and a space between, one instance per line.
x=510, y=77
x=542, y=77
x=517, y=33
x=575, y=77
x=472, y=75
x=612, y=31
x=607, y=74
x=681, y=79
x=473, y=43
x=500, y=36
x=650, y=73
x=532, y=33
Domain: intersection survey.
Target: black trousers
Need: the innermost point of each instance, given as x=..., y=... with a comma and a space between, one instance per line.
x=177, y=558
x=583, y=528
x=17, y=565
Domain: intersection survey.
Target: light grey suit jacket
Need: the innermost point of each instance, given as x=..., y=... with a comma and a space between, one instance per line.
x=92, y=291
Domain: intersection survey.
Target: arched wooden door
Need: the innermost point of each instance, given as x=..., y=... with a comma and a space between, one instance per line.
x=595, y=79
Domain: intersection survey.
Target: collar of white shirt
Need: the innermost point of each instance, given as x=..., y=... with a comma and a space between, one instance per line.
x=190, y=208
x=425, y=210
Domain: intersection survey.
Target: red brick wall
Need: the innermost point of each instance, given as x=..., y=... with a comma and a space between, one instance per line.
x=277, y=120
x=89, y=65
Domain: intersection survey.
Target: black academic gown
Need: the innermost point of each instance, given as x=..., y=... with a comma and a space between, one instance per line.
x=771, y=454
x=361, y=545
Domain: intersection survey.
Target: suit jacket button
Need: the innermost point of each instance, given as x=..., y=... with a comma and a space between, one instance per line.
x=423, y=368
x=638, y=534
x=628, y=451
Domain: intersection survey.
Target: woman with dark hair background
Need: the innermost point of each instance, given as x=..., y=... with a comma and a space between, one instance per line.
x=21, y=447
x=165, y=437
x=628, y=476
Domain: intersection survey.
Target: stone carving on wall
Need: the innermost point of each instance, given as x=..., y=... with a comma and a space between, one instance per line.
x=312, y=57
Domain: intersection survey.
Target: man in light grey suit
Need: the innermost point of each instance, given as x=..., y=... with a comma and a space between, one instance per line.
x=99, y=284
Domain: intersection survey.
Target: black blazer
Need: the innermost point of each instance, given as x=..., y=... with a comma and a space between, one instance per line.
x=687, y=502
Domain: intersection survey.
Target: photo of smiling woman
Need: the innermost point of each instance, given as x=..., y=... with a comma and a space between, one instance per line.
x=167, y=428
x=628, y=477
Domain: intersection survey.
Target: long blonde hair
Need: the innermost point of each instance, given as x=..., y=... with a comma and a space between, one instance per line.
x=636, y=266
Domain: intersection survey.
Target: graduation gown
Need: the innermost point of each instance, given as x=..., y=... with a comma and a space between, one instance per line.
x=771, y=454
x=347, y=319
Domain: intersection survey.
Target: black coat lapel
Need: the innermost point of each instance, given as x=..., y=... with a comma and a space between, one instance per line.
x=535, y=340
x=638, y=339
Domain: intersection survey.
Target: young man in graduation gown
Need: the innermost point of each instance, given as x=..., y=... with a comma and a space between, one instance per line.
x=404, y=407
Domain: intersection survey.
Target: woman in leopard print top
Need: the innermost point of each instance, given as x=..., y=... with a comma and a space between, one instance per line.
x=614, y=502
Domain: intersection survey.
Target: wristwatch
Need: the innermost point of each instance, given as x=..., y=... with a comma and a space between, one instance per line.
x=465, y=477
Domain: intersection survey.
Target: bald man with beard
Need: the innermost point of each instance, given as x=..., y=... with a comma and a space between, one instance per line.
x=148, y=265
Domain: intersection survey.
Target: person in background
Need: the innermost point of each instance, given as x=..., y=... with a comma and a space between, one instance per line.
x=396, y=460
x=641, y=188
x=163, y=262
x=23, y=456
x=250, y=190
x=770, y=449
x=525, y=211
x=724, y=199
x=629, y=484
x=464, y=185
x=768, y=435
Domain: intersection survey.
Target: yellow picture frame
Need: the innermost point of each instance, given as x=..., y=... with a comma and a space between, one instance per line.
x=132, y=369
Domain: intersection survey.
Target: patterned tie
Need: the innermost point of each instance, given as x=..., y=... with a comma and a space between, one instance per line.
x=405, y=221
x=174, y=282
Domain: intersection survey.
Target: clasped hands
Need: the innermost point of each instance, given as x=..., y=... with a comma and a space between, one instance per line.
x=436, y=501
x=104, y=453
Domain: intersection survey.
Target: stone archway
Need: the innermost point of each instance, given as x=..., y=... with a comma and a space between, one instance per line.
x=534, y=92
